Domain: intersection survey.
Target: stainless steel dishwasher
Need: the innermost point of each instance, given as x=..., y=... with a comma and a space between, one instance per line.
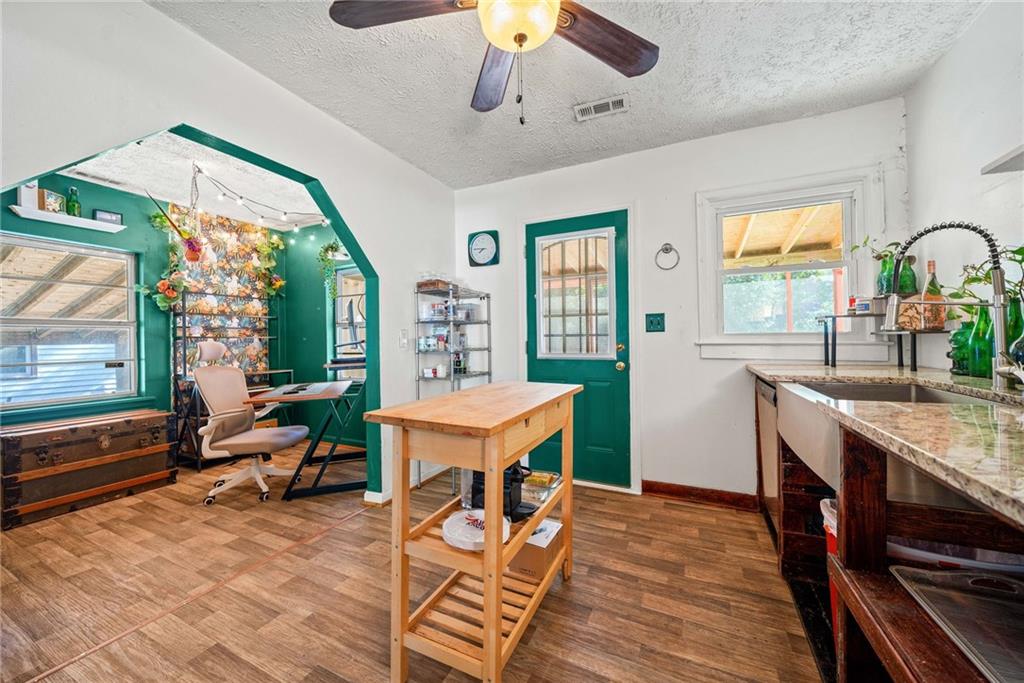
x=768, y=438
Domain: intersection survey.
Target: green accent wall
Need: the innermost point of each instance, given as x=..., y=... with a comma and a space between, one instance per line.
x=306, y=313
x=150, y=248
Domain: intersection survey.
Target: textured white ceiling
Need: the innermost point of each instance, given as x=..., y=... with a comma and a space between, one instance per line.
x=162, y=165
x=723, y=67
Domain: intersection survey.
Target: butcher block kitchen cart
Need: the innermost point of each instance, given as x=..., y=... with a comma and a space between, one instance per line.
x=475, y=618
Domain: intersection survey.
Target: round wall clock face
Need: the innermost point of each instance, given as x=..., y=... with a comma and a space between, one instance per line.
x=482, y=249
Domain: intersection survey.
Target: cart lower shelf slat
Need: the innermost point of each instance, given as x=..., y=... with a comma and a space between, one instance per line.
x=449, y=624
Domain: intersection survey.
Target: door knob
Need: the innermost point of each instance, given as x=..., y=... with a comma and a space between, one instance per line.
x=620, y=366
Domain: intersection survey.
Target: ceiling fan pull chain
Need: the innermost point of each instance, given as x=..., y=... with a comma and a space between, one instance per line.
x=519, y=96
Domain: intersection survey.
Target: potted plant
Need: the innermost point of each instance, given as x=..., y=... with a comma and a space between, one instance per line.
x=328, y=257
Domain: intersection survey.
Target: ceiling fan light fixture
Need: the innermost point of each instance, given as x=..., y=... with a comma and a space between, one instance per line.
x=513, y=25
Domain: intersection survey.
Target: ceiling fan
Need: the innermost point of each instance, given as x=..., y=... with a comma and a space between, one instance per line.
x=513, y=27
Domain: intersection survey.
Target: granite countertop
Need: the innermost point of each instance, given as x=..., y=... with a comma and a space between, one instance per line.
x=977, y=450
x=887, y=374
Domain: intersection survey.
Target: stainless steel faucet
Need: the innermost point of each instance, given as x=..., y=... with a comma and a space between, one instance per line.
x=1002, y=367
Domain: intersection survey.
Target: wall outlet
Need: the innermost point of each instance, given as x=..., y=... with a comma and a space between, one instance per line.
x=655, y=322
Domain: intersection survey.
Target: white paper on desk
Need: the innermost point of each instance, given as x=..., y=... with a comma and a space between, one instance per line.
x=544, y=533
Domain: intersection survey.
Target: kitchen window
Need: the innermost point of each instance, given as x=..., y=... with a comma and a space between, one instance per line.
x=67, y=323
x=773, y=260
x=782, y=269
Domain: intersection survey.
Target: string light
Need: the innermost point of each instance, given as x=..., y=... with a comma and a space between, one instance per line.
x=312, y=237
x=291, y=241
x=264, y=210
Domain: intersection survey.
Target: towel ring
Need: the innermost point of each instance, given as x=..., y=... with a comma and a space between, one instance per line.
x=666, y=249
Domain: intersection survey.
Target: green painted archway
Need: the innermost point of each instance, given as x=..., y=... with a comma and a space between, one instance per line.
x=348, y=240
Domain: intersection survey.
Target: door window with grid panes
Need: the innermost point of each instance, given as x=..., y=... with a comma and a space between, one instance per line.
x=576, y=295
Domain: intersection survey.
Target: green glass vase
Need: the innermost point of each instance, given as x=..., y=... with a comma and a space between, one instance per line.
x=958, y=347
x=980, y=346
x=908, y=278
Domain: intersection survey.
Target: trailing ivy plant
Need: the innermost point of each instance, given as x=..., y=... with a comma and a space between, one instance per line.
x=328, y=258
x=973, y=275
x=267, y=262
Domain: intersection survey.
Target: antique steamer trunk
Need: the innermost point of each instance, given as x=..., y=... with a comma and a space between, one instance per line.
x=49, y=468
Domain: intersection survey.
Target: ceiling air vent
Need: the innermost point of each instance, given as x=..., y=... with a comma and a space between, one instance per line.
x=615, y=104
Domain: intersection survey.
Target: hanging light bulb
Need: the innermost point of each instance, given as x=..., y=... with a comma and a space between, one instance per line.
x=220, y=197
x=311, y=237
x=513, y=25
x=295, y=229
x=261, y=220
x=284, y=215
x=291, y=241
x=325, y=222
x=239, y=200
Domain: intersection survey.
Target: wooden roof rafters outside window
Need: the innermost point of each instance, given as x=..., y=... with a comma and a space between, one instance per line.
x=781, y=237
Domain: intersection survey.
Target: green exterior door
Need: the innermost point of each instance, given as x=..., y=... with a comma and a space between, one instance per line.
x=577, y=305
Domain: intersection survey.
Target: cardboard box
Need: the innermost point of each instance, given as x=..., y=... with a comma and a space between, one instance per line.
x=539, y=552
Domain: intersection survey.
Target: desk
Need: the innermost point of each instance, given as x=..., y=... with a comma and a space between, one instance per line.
x=334, y=394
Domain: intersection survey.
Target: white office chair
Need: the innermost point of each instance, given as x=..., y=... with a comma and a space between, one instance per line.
x=229, y=431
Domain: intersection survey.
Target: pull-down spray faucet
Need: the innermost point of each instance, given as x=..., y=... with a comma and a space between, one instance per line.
x=1001, y=365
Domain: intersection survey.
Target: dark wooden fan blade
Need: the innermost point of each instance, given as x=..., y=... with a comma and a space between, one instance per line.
x=366, y=13
x=493, y=79
x=619, y=48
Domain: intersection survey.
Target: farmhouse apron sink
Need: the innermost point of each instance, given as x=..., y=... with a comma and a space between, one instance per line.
x=814, y=436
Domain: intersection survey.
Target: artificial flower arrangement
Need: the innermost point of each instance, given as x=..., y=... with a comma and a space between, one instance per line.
x=172, y=282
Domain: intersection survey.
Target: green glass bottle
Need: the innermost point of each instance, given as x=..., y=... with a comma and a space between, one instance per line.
x=980, y=345
x=1014, y=320
x=958, y=347
x=908, y=279
x=73, y=206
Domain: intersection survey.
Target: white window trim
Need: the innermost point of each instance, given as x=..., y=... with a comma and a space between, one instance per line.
x=609, y=232
x=863, y=187
x=131, y=323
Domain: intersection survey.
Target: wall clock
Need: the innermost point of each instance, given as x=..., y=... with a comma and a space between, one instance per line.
x=483, y=248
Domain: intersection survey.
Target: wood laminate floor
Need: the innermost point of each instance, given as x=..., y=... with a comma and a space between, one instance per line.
x=157, y=587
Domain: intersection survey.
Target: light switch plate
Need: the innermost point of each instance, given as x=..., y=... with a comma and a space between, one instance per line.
x=403, y=339
x=655, y=322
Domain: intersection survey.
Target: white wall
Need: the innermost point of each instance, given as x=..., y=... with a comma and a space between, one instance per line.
x=694, y=418
x=81, y=77
x=966, y=111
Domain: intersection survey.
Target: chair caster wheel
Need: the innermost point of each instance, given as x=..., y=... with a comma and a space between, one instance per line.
x=209, y=500
x=298, y=478
x=265, y=496
x=217, y=484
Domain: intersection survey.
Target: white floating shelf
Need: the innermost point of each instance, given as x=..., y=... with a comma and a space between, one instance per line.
x=64, y=219
x=1011, y=161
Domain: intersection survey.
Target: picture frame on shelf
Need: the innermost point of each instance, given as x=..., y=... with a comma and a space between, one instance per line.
x=104, y=216
x=51, y=201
